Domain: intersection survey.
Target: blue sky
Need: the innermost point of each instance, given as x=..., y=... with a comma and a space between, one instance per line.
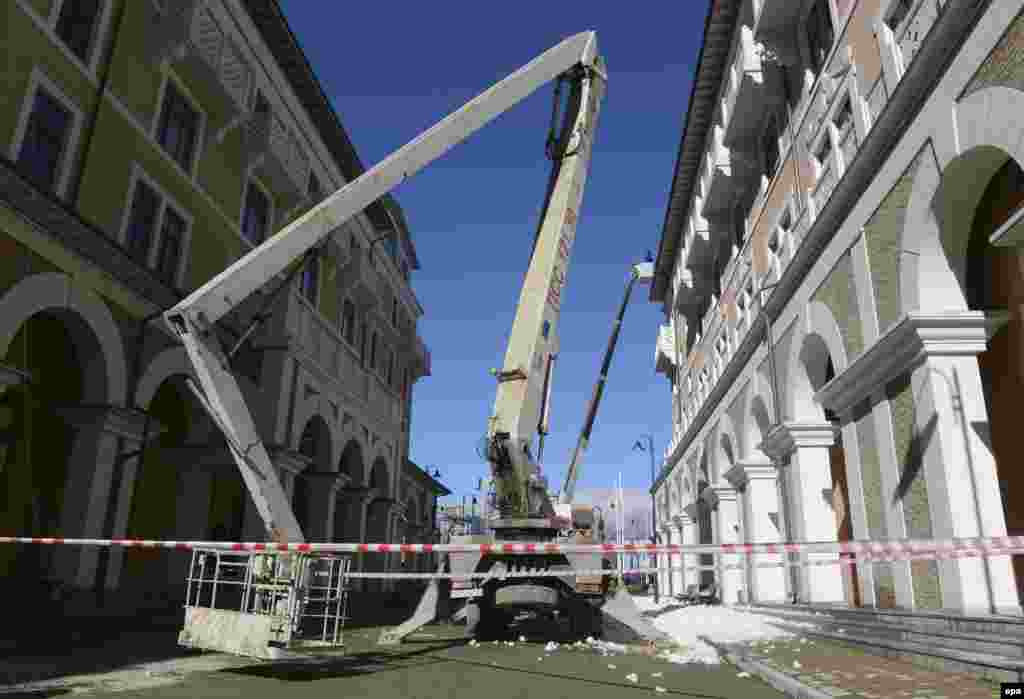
x=393, y=70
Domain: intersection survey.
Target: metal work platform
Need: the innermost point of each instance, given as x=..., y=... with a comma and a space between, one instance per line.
x=267, y=605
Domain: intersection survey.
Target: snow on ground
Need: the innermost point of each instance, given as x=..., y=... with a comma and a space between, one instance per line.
x=720, y=624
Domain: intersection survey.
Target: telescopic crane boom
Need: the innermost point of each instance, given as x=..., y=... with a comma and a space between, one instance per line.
x=534, y=331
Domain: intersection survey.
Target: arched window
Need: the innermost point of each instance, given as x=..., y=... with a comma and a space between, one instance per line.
x=348, y=321
x=373, y=351
x=363, y=333
x=391, y=369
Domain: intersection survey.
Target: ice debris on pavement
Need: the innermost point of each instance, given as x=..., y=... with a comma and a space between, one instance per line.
x=550, y=647
x=612, y=667
x=660, y=690
x=632, y=677
x=797, y=665
x=743, y=674
x=657, y=674
x=720, y=624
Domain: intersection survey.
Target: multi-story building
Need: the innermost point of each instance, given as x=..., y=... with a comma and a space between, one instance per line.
x=840, y=278
x=147, y=145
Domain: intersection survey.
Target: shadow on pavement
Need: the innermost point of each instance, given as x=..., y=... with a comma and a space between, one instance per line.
x=364, y=663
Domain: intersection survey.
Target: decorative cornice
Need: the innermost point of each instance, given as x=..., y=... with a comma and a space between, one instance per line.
x=782, y=440
x=912, y=340
x=715, y=494
x=750, y=470
x=288, y=459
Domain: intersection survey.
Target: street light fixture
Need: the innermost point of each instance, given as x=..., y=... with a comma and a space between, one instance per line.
x=649, y=448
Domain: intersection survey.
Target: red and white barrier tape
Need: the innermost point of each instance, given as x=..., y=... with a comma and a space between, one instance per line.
x=900, y=556
x=1001, y=544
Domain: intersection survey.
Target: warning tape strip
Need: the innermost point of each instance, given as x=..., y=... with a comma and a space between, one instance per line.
x=883, y=558
x=993, y=544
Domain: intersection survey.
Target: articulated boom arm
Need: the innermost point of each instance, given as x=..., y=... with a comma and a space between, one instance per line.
x=192, y=318
x=524, y=382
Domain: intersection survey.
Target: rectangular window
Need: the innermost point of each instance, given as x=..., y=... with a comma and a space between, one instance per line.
x=394, y=313
x=256, y=217
x=45, y=141
x=820, y=34
x=142, y=221
x=172, y=239
x=179, y=127
x=311, y=279
x=76, y=26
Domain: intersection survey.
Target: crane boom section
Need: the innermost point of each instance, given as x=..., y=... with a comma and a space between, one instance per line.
x=192, y=319
x=262, y=264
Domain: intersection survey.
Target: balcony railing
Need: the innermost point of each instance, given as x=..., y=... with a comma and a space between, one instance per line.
x=664, y=352
x=205, y=57
x=910, y=30
x=275, y=154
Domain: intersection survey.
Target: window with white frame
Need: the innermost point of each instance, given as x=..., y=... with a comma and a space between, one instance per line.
x=43, y=152
x=177, y=130
x=820, y=33
x=155, y=230
x=78, y=25
x=256, y=214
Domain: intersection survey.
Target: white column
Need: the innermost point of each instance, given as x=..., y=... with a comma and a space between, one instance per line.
x=802, y=450
x=688, y=522
x=664, y=586
x=963, y=486
x=758, y=500
x=722, y=500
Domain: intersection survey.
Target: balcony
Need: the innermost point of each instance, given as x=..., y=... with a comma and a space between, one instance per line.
x=665, y=352
x=754, y=87
x=910, y=23
x=203, y=56
x=422, y=355
x=275, y=155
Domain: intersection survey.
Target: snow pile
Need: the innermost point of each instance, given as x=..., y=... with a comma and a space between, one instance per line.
x=720, y=624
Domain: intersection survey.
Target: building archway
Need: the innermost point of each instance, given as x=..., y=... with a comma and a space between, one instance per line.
x=154, y=507
x=815, y=368
x=52, y=349
x=315, y=445
x=348, y=512
x=377, y=515
x=994, y=282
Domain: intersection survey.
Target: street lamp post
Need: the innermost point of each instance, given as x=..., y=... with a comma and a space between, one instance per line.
x=649, y=448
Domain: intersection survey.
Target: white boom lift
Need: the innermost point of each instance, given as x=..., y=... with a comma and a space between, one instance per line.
x=526, y=511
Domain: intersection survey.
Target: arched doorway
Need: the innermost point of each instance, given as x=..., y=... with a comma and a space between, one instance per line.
x=377, y=518
x=315, y=445
x=818, y=370
x=348, y=512
x=154, y=502
x=39, y=443
x=994, y=282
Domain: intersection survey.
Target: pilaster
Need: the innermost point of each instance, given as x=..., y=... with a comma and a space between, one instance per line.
x=802, y=451
x=756, y=482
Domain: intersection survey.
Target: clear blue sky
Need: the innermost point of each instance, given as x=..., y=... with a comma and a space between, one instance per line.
x=393, y=70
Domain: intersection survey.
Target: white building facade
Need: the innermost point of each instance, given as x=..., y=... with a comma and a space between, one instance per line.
x=840, y=279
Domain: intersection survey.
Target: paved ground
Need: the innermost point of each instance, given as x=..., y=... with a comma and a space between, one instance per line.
x=851, y=673
x=435, y=663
